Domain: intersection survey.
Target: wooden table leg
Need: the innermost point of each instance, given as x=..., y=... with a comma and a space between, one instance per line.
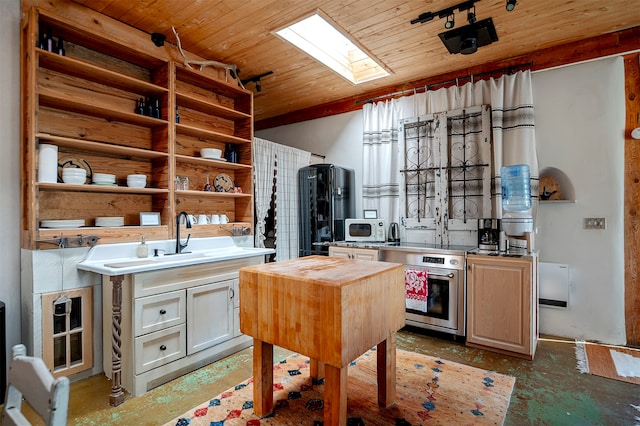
x=335, y=395
x=117, y=395
x=316, y=369
x=386, y=368
x=262, y=378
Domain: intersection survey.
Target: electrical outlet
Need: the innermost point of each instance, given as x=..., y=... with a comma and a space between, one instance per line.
x=594, y=223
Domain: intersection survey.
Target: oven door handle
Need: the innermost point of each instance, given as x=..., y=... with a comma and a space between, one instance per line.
x=449, y=275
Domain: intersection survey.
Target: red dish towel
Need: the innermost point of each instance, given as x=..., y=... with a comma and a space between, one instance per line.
x=417, y=290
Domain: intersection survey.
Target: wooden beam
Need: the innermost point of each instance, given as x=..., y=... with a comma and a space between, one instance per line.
x=632, y=200
x=606, y=45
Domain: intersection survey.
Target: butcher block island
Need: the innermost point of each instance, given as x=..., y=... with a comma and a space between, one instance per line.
x=330, y=309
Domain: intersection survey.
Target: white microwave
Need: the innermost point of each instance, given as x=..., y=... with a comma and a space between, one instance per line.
x=365, y=230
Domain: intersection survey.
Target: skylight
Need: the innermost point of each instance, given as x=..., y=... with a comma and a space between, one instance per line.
x=317, y=37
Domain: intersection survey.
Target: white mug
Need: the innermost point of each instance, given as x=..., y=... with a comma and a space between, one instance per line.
x=203, y=219
x=224, y=218
x=215, y=219
x=193, y=219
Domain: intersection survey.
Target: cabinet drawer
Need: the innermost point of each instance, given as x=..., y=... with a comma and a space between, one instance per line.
x=155, y=313
x=159, y=348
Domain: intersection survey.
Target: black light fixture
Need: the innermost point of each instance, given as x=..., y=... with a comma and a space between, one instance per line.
x=158, y=39
x=469, y=45
x=256, y=80
x=451, y=21
x=467, y=39
x=471, y=15
x=511, y=4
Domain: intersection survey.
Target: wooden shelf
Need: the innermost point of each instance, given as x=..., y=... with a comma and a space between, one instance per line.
x=557, y=201
x=214, y=163
x=209, y=108
x=101, y=147
x=183, y=129
x=99, y=188
x=106, y=234
x=212, y=194
x=101, y=42
x=87, y=71
x=197, y=78
x=54, y=99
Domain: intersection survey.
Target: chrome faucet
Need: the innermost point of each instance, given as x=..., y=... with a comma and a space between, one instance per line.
x=179, y=245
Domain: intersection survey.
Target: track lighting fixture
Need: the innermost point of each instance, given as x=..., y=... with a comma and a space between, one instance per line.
x=451, y=22
x=467, y=39
x=511, y=4
x=444, y=13
x=471, y=15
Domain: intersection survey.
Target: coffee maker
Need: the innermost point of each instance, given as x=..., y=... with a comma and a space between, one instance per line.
x=488, y=234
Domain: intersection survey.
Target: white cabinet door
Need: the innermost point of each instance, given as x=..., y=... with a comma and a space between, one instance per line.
x=365, y=254
x=209, y=315
x=343, y=252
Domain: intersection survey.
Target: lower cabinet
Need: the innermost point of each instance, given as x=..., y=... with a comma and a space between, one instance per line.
x=174, y=321
x=502, y=304
x=210, y=314
x=353, y=253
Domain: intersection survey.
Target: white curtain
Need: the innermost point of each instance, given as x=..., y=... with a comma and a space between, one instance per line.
x=511, y=101
x=290, y=160
x=264, y=165
x=381, y=173
x=272, y=160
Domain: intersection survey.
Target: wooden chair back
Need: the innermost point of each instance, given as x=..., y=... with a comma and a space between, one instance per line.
x=30, y=379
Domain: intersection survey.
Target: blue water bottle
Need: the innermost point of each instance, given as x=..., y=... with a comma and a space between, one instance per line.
x=516, y=188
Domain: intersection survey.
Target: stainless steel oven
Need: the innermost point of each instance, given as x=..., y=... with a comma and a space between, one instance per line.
x=445, y=309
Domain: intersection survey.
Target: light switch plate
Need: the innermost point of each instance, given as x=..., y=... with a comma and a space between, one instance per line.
x=594, y=223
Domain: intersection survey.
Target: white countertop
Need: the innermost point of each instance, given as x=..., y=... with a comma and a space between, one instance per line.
x=121, y=259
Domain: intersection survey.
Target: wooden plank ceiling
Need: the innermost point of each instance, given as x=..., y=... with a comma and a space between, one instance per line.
x=237, y=32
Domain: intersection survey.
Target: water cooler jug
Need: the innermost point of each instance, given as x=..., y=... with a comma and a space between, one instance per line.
x=517, y=219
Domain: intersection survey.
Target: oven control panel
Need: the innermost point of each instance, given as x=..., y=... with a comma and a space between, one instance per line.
x=423, y=258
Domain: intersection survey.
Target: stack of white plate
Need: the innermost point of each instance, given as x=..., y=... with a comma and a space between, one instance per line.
x=104, y=179
x=110, y=221
x=70, y=223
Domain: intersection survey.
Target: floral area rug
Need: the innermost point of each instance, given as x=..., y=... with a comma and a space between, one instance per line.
x=429, y=391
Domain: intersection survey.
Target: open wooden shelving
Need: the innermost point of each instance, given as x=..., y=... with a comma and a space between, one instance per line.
x=85, y=104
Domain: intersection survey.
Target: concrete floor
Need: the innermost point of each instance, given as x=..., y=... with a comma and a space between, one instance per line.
x=549, y=390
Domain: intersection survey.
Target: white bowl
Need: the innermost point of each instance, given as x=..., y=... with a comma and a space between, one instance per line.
x=74, y=176
x=210, y=153
x=75, y=172
x=141, y=177
x=76, y=180
x=136, y=183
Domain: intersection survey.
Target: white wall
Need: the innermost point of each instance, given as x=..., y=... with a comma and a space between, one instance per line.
x=579, y=130
x=10, y=167
x=338, y=138
x=580, y=118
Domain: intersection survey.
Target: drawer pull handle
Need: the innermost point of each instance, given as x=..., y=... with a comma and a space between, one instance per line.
x=163, y=348
x=162, y=311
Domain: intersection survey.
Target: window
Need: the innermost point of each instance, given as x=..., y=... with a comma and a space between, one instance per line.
x=321, y=39
x=446, y=176
x=67, y=331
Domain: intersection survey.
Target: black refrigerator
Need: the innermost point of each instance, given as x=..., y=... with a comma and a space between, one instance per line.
x=326, y=200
